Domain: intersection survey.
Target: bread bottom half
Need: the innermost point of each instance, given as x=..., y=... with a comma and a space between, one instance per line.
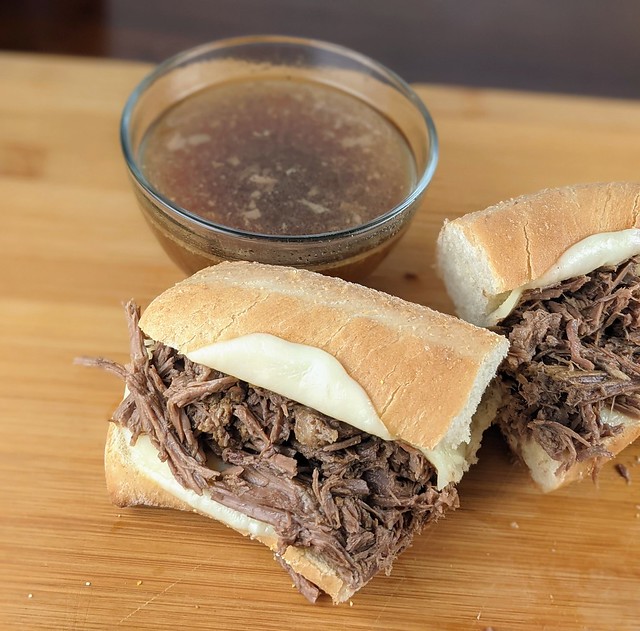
x=542, y=466
x=131, y=483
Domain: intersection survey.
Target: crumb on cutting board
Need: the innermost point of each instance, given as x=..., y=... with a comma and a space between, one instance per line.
x=624, y=472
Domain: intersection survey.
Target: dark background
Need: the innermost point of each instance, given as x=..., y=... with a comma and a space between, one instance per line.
x=572, y=46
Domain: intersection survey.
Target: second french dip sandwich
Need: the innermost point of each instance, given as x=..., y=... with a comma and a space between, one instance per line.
x=329, y=421
x=558, y=272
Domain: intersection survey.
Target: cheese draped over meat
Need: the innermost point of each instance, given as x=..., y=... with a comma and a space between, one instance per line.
x=597, y=250
x=299, y=372
x=318, y=380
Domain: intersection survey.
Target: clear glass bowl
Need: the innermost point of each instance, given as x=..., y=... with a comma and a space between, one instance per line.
x=194, y=242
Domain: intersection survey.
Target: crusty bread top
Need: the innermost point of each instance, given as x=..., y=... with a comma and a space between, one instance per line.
x=525, y=236
x=486, y=253
x=423, y=371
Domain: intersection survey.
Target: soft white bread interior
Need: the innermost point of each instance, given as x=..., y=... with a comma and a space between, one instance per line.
x=136, y=477
x=423, y=372
x=543, y=468
x=486, y=254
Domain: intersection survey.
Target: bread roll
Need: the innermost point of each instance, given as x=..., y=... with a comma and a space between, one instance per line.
x=393, y=369
x=489, y=258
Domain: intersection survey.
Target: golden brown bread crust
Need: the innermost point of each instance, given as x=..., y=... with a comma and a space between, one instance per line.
x=525, y=236
x=129, y=486
x=543, y=472
x=421, y=369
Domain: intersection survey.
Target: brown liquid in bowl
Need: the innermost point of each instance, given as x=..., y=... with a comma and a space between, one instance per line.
x=277, y=156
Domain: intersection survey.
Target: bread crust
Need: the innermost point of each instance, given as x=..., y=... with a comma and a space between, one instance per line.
x=128, y=485
x=542, y=467
x=422, y=370
x=523, y=237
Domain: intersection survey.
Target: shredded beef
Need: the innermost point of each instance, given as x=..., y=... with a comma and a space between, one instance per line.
x=356, y=500
x=574, y=352
x=304, y=586
x=624, y=472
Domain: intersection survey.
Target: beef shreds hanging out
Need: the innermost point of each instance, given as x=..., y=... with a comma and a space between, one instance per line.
x=575, y=349
x=353, y=498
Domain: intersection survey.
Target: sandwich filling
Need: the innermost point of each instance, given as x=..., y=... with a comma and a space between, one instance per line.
x=573, y=363
x=355, y=500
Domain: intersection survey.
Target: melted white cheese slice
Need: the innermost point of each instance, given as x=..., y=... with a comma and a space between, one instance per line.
x=144, y=456
x=597, y=250
x=615, y=417
x=299, y=372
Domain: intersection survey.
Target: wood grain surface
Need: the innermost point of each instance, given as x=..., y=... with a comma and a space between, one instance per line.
x=74, y=246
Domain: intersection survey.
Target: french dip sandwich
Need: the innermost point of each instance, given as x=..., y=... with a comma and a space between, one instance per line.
x=329, y=421
x=557, y=272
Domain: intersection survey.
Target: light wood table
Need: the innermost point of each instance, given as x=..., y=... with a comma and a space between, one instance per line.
x=74, y=246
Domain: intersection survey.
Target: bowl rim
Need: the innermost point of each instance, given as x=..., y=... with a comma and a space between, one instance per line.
x=175, y=61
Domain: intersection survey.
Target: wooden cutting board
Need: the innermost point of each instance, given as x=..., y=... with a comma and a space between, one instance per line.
x=73, y=246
